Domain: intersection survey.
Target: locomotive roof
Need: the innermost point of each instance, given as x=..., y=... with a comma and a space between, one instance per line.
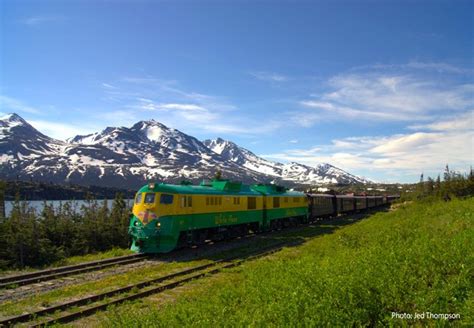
x=221, y=187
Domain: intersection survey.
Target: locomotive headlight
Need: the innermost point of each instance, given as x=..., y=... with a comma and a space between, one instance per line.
x=158, y=225
x=135, y=224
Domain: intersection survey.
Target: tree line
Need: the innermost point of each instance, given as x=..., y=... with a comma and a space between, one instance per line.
x=453, y=184
x=30, y=238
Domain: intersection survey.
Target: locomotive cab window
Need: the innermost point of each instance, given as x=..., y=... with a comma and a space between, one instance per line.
x=276, y=202
x=251, y=203
x=149, y=198
x=166, y=199
x=138, y=199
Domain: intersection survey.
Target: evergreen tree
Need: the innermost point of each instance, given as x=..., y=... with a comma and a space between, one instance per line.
x=420, y=187
x=5, y=255
x=437, y=186
x=429, y=186
x=218, y=175
x=2, y=198
x=120, y=218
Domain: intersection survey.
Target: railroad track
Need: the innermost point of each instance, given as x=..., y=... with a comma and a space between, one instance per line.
x=49, y=274
x=89, y=305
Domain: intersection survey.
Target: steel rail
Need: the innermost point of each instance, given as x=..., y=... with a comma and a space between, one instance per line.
x=49, y=274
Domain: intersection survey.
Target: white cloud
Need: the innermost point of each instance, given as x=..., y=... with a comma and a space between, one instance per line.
x=184, y=107
x=388, y=97
x=461, y=123
x=108, y=86
x=60, y=131
x=401, y=144
x=352, y=113
x=38, y=20
x=269, y=76
x=438, y=67
x=171, y=104
x=8, y=105
x=401, y=155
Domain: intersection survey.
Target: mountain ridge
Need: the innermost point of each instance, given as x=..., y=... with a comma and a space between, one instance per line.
x=148, y=150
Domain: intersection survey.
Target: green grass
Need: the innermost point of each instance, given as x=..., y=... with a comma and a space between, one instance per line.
x=418, y=258
x=115, y=252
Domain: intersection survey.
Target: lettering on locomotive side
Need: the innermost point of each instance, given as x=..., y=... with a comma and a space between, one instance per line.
x=225, y=219
x=291, y=212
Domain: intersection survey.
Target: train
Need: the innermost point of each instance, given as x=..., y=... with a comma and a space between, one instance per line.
x=167, y=216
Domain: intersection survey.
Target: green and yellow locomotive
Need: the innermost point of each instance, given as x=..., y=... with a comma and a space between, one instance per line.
x=167, y=216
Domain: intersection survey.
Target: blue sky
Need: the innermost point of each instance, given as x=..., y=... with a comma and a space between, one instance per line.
x=382, y=89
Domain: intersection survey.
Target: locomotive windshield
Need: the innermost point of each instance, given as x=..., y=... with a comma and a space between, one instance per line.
x=138, y=199
x=149, y=198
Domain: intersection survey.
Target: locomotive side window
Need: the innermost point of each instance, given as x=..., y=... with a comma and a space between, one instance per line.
x=138, y=199
x=276, y=202
x=149, y=198
x=166, y=199
x=251, y=203
x=213, y=201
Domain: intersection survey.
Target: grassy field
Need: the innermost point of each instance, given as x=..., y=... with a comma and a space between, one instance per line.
x=163, y=265
x=416, y=259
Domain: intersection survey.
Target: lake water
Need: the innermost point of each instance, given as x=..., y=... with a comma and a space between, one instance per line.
x=76, y=204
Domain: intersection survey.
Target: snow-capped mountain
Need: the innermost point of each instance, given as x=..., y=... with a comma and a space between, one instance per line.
x=121, y=156
x=20, y=141
x=289, y=173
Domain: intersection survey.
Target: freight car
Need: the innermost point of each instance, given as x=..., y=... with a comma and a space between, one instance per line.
x=168, y=216
x=323, y=205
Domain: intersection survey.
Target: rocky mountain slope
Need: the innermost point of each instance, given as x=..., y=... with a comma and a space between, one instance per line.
x=149, y=150
x=290, y=172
